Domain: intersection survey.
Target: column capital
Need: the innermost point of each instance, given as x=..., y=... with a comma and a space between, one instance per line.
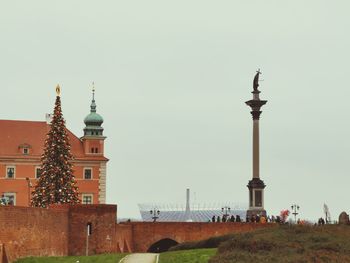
x=256, y=114
x=256, y=104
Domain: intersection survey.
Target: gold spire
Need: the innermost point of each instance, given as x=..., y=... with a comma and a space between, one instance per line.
x=58, y=90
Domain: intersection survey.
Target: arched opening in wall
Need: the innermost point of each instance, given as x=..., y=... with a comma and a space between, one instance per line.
x=162, y=245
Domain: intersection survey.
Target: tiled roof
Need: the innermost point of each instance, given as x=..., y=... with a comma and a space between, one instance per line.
x=15, y=134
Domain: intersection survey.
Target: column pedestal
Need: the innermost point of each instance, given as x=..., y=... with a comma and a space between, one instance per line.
x=256, y=197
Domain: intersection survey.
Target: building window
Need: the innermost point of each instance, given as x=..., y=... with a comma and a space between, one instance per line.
x=87, y=173
x=10, y=172
x=37, y=172
x=24, y=148
x=9, y=198
x=87, y=199
x=94, y=150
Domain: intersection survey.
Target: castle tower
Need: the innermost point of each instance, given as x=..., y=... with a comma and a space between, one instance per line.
x=93, y=144
x=256, y=185
x=93, y=139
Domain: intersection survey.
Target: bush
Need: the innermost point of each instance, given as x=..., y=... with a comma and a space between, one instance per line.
x=248, y=244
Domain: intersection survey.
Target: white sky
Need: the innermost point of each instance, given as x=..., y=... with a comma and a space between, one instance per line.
x=171, y=81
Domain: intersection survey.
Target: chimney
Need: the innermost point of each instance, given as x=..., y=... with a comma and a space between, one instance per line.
x=48, y=118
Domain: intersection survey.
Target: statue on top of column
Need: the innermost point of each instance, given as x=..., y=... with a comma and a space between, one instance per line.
x=256, y=80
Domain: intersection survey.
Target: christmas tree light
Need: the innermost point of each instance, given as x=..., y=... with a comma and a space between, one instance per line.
x=57, y=184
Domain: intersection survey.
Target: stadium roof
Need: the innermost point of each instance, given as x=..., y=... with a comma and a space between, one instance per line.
x=197, y=213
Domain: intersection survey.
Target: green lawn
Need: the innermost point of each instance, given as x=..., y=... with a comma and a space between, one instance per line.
x=187, y=256
x=106, y=258
x=287, y=244
x=280, y=244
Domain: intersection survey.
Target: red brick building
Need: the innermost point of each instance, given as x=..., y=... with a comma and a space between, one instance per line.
x=21, y=147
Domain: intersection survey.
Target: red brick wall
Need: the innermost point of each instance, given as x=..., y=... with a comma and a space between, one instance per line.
x=103, y=221
x=61, y=230
x=124, y=237
x=144, y=234
x=33, y=231
x=58, y=231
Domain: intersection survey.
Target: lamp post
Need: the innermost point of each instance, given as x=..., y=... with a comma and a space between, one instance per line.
x=155, y=214
x=227, y=210
x=29, y=186
x=295, y=208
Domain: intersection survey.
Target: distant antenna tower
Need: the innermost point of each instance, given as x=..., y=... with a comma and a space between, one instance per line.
x=188, y=210
x=327, y=214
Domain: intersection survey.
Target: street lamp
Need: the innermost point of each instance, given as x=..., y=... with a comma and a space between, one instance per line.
x=155, y=214
x=29, y=186
x=227, y=210
x=295, y=208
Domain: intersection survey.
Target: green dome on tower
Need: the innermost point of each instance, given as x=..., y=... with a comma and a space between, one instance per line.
x=94, y=120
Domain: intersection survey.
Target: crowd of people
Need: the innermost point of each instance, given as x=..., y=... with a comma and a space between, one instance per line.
x=226, y=218
x=262, y=219
x=252, y=219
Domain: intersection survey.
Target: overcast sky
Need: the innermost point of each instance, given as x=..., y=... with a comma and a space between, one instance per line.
x=171, y=80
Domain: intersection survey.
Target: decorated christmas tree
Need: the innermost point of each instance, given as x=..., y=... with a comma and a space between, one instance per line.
x=56, y=184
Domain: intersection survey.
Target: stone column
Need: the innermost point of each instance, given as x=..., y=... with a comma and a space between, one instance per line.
x=256, y=185
x=256, y=149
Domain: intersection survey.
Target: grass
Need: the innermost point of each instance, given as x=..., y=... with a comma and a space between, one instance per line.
x=187, y=256
x=105, y=258
x=287, y=244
